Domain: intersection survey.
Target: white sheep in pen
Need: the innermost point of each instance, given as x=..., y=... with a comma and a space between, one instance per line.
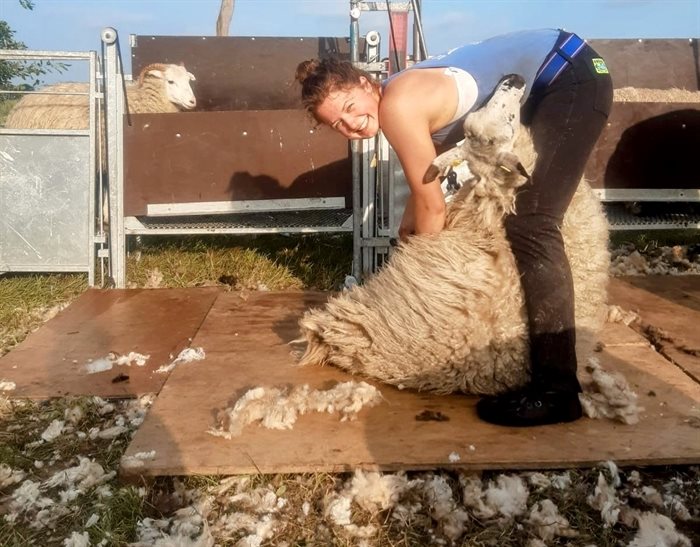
x=446, y=312
x=160, y=88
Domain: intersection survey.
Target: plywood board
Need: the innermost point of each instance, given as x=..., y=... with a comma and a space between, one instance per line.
x=52, y=361
x=246, y=345
x=670, y=306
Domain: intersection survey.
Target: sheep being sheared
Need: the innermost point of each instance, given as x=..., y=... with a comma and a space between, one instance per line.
x=446, y=312
x=160, y=88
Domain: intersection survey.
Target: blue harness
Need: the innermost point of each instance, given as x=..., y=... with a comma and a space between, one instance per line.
x=568, y=47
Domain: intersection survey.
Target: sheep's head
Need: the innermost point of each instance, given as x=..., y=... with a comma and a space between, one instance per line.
x=176, y=83
x=487, y=149
x=492, y=129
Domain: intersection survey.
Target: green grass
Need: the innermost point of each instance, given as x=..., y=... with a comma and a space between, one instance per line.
x=274, y=262
x=27, y=298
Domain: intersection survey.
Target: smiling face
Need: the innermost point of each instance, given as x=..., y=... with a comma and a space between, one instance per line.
x=353, y=112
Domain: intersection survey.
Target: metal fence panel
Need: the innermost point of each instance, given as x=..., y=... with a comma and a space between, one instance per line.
x=45, y=202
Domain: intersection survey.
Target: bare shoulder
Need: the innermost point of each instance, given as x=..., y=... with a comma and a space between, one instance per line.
x=413, y=83
x=423, y=93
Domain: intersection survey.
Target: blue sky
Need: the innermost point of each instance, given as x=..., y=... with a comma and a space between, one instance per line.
x=75, y=25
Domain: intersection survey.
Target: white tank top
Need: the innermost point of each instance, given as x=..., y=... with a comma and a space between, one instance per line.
x=467, y=91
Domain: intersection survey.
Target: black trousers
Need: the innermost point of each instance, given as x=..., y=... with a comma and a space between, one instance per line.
x=565, y=119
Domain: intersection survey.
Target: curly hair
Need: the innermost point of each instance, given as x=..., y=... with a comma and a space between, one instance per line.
x=318, y=77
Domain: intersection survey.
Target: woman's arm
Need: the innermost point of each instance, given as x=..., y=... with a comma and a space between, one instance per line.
x=412, y=106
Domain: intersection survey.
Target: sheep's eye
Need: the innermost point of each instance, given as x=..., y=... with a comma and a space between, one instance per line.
x=171, y=81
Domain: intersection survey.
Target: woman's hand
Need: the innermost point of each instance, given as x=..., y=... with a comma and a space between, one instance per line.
x=419, y=218
x=408, y=221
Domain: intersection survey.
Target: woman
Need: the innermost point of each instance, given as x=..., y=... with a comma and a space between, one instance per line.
x=421, y=110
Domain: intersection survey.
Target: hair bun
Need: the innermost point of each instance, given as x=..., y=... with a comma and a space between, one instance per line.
x=306, y=69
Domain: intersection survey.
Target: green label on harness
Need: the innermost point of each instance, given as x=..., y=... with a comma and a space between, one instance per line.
x=600, y=66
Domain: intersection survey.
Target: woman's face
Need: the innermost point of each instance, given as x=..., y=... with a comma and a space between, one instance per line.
x=353, y=112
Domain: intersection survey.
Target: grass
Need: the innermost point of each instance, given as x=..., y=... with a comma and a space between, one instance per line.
x=262, y=262
x=28, y=299
x=273, y=262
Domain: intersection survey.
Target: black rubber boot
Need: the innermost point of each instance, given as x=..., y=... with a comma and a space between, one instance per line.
x=530, y=407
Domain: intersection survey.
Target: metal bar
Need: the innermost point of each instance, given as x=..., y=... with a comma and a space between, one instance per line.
x=211, y=231
x=418, y=25
x=6, y=92
x=24, y=55
x=355, y=155
x=376, y=241
x=94, y=129
x=53, y=132
x=262, y=205
x=114, y=102
x=648, y=194
x=383, y=6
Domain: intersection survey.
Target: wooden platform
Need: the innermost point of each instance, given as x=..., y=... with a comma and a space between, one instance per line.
x=246, y=337
x=246, y=345
x=669, y=310
x=52, y=361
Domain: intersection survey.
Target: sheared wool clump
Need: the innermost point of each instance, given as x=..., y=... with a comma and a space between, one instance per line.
x=86, y=474
x=504, y=499
x=605, y=500
x=7, y=385
x=53, y=431
x=112, y=432
x=546, y=521
x=187, y=355
x=77, y=540
x=135, y=410
x=608, y=395
x=541, y=481
x=375, y=491
x=73, y=415
x=443, y=507
x=27, y=498
x=614, y=473
x=9, y=476
x=656, y=530
x=113, y=359
x=616, y=314
x=137, y=460
x=187, y=528
x=276, y=408
x=338, y=509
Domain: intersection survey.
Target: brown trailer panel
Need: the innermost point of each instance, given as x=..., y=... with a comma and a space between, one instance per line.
x=231, y=156
x=651, y=63
x=239, y=72
x=647, y=146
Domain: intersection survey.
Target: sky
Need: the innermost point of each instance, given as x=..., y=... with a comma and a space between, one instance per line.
x=75, y=25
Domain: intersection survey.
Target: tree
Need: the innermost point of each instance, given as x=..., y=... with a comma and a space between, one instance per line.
x=27, y=72
x=224, y=19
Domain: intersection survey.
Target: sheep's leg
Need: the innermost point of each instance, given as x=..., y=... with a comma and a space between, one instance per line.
x=442, y=164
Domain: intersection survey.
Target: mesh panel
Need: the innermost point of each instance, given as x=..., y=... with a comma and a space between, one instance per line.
x=653, y=215
x=329, y=218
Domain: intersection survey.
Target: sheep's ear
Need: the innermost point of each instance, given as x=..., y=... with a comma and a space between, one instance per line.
x=191, y=76
x=511, y=170
x=156, y=73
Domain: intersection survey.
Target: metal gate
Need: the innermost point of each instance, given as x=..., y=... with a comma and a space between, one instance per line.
x=48, y=188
